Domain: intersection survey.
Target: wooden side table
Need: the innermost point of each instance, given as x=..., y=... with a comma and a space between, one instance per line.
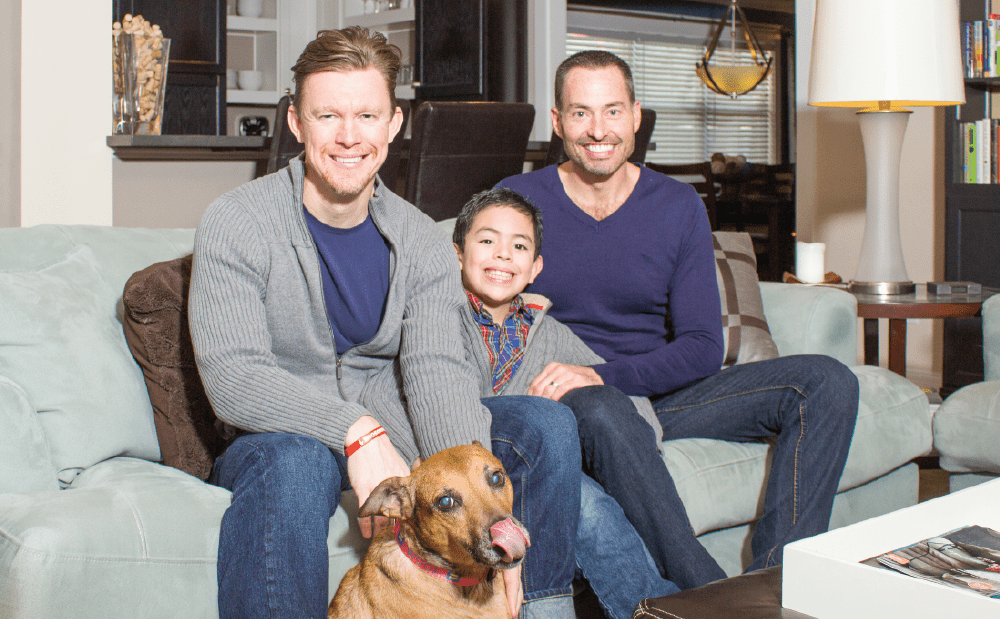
x=898, y=308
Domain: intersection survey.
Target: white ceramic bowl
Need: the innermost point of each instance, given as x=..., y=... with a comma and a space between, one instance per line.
x=250, y=8
x=250, y=80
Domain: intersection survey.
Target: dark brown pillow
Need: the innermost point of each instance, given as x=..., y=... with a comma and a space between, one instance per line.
x=156, y=329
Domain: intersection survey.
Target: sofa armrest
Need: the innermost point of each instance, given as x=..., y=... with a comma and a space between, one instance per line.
x=967, y=428
x=812, y=320
x=991, y=338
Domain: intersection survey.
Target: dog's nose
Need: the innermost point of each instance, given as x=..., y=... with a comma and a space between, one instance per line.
x=510, y=539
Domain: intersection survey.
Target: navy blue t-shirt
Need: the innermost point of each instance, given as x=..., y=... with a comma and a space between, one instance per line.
x=354, y=263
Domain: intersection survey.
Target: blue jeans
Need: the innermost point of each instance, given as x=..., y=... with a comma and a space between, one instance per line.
x=536, y=440
x=612, y=557
x=808, y=402
x=273, y=557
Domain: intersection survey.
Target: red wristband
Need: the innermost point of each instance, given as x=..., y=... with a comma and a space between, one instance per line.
x=364, y=440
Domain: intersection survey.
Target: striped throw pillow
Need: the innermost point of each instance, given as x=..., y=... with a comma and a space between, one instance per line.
x=745, y=334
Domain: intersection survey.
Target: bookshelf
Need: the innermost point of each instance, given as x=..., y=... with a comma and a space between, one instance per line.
x=972, y=217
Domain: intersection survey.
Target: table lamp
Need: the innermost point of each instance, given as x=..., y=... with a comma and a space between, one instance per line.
x=882, y=55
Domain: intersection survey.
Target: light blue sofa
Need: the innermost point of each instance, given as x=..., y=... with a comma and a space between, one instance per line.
x=967, y=425
x=91, y=525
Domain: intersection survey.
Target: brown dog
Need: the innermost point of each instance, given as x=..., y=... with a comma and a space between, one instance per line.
x=453, y=531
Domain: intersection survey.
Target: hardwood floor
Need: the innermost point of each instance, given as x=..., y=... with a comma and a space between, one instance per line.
x=933, y=483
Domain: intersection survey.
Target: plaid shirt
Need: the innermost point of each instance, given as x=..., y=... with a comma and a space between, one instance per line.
x=504, y=343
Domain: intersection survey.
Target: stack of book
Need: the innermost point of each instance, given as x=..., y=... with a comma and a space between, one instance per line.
x=978, y=143
x=980, y=46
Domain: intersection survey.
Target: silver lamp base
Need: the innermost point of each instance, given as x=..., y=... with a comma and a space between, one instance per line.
x=882, y=287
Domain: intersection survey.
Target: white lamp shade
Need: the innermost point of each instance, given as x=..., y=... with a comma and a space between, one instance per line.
x=907, y=52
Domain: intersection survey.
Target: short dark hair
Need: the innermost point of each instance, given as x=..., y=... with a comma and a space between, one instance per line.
x=351, y=49
x=498, y=196
x=592, y=59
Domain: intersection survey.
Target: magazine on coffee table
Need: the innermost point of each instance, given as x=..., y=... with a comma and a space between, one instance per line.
x=966, y=558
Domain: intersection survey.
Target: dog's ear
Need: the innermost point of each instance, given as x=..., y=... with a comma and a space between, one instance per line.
x=392, y=498
x=476, y=443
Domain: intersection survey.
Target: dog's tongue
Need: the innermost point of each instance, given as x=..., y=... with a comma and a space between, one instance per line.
x=509, y=538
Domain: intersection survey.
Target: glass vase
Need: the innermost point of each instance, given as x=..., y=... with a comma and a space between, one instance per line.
x=139, y=68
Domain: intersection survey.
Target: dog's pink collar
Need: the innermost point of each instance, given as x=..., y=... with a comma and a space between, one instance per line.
x=433, y=570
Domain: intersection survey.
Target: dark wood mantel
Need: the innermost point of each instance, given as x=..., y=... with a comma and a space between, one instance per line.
x=189, y=147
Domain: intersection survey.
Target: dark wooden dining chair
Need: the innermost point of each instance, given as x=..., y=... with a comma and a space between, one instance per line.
x=460, y=148
x=700, y=176
x=284, y=145
x=392, y=166
x=767, y=212
x=760, y=199
x=557, y=154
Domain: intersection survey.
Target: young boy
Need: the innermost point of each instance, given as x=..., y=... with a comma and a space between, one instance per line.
x=498, y=237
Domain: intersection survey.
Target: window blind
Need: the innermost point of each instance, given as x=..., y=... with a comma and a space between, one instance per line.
x=692, y=122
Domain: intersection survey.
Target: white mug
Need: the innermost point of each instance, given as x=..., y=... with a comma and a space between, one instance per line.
x=809, y=262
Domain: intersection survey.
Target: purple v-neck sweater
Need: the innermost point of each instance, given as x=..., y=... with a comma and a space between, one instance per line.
x=639, y=287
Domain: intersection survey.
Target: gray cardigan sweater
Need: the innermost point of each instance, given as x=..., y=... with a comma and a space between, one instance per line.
x=263, y=342
x=548, y=340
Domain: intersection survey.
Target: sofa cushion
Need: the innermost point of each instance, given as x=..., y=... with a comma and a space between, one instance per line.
x=991, y=338
x=893, y=428
x=24, y=455
x=129, y=538
x=119, y=252
x=156, y=329
x=61, y=342
x=808, y=320
x=745, y=334
x=722, y=483
x=967, y=429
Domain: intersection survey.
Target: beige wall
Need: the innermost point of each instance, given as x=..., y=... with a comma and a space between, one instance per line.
x=10, y=111
x=831, y=196
x=171, y=194
x=65, y=112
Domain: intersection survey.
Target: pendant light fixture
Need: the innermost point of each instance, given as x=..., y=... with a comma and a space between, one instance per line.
x=735, y=78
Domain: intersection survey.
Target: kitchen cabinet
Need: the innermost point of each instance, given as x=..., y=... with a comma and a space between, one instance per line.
x=270, y=43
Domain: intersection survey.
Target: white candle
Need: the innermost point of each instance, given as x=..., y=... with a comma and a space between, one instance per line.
x=809, y=258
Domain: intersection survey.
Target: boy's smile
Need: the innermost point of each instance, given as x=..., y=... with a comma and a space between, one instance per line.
x=499, y=259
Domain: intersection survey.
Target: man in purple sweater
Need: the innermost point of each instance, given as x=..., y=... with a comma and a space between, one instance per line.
x=630, y=268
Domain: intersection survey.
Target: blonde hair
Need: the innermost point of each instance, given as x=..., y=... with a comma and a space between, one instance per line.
x=351, y=49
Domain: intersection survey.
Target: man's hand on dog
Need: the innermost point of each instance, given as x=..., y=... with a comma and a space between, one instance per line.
x=369, y=466
x=558, y=378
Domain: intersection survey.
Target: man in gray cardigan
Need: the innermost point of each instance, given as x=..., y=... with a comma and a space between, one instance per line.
x=308, y=282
